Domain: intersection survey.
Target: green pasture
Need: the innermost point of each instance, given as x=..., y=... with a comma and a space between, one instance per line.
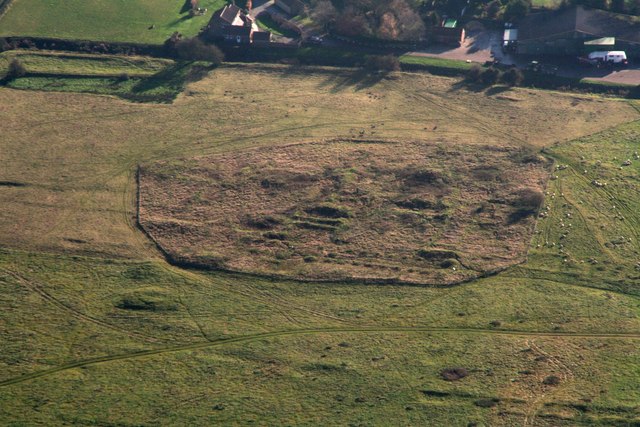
x=141, y=79
x=83, y=64
x=135, y=21
x=98, y=329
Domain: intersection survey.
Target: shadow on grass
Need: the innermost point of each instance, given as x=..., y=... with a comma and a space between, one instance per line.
x=496, y=90
x=478, y=87
x=467, y=85
x=165, y=85
x=357, y=79
x=179, y=20
x=186, y=7
x=173, y=77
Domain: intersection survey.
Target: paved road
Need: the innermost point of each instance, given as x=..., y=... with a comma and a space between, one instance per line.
x=486, y=46
x=479, y=47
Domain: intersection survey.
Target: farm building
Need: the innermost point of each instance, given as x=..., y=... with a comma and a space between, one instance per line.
x=576, y=30
x=232, y=25
x=260, y=37
x=291, y=7
x=448, y=33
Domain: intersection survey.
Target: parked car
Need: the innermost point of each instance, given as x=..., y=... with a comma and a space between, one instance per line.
x=316, y=40
x=538, y=67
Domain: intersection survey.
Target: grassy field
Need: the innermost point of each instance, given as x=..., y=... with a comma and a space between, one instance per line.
x=98, y=329
x=105, y=20
x=84, y=64
x=436, y=62
x=140, y=79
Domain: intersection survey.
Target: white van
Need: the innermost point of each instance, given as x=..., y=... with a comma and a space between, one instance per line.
x=612, y=57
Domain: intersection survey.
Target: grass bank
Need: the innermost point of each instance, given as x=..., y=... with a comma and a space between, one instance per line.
x=140, y=79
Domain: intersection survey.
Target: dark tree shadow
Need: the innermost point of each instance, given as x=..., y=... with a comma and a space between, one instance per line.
x=357, y=79
x=496, y=90
x=179, y=20
x=186, y=7
x=173, y=76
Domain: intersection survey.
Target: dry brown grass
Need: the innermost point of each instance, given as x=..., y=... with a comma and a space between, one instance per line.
x=78, y=152
x=414, y=212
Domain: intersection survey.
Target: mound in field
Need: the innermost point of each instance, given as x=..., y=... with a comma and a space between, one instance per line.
x=411, y=212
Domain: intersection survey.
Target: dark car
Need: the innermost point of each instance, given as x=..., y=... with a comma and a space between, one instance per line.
x=316, y=40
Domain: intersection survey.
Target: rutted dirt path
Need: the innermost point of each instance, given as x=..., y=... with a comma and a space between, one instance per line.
x=40, y=290
x=298, y=332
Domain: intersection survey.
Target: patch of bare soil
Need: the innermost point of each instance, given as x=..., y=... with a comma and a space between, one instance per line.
x=412, y=212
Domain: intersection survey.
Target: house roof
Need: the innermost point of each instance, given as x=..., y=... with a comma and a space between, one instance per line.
x=593, y=22
x=238, y=30
x=450, y=23
x=229, y=13
x=604, y=41
x=262, y=36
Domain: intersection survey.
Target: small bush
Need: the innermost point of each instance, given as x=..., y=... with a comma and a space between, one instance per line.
x=195, y=49
x=527, y=155
x=487, y=403
x=512, y=77
x=453, y=374
x=275, y=235
x=424, y=177
x=4, y=45
x=551, y=380
x=123, y=77
x=634, y=93
x=473, y=75
x=529, y=198
x=283, y=255
x=527, y=202
x=16, y=69
x=382, y=63
x=490, y=76
x=272, y=183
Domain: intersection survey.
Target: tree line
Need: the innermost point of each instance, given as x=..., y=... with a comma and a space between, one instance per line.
x=409, y=20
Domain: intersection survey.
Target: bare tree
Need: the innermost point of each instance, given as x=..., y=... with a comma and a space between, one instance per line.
x=324, y=12
x=411, y=25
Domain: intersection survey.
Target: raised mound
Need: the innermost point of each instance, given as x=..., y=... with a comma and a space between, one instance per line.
x=410, y=212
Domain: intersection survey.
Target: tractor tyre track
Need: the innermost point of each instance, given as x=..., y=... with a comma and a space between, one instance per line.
x=306, y=332
x=38, y=288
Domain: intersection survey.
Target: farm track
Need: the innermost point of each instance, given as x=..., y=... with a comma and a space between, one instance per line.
x=566, y=374
x=559, y=282
x=463, y=115
x=39, y=289
x=576, y=207
x=253, y=293
x=306, y=332
x=632, y=226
